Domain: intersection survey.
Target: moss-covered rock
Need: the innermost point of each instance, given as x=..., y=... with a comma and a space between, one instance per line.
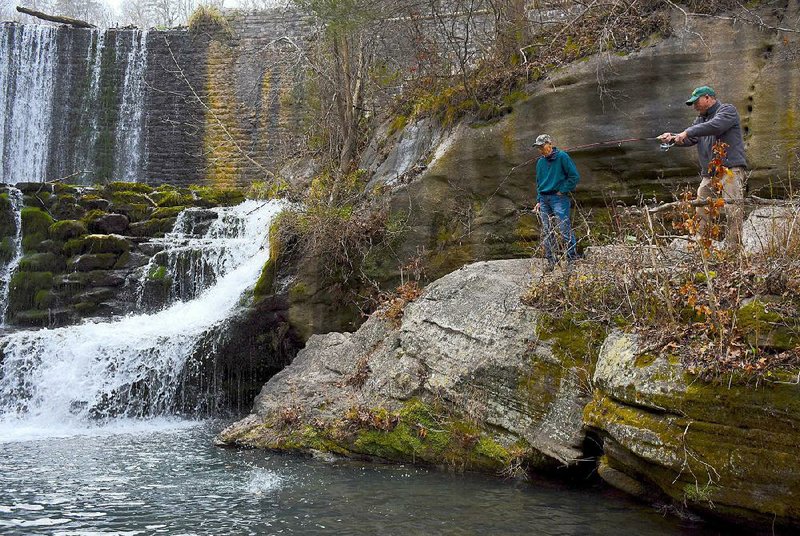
x=41, y=262
x=66, y=229
x=208, y=196
x=266, y=281
x=35, y=187
x=422, y=383
x=23, y=288
x=8, y=220
x=7, y=249
x=130, y=198
x=35, y=227
x=167, y=212
x=727, y=449
x=92, y=261
x=152, y=227
x=767, y=329
x=118, y=186
x=173, y=198
x=93, y=202
x=135, y=212
x=101, y=222
x=97, y=243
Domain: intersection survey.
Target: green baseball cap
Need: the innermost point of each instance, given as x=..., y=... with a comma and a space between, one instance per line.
x=699, y=92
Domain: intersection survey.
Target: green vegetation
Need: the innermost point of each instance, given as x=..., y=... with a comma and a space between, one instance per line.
x=35, y=226
x=66, y=229
x=418, y=431
x=209, y=19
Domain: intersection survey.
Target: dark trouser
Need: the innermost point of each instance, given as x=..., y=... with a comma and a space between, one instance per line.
x=554, y=212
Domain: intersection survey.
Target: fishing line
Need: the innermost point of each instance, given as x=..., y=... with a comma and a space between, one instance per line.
x=663, y=146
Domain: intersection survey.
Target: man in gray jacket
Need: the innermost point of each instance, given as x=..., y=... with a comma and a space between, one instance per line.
x=716, y=121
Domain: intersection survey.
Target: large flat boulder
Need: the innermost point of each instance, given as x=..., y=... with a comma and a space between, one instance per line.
x=462, y=379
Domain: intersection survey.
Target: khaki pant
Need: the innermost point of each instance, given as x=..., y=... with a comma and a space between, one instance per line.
x=733, y=187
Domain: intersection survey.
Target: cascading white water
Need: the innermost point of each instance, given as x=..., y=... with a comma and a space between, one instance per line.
x=62, y=379
x=94, y=60
x=15, y=196
x=28, y=58
x=130, y=147
x=195, y=253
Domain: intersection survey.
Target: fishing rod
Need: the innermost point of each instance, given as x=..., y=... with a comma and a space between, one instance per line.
x=664, y=147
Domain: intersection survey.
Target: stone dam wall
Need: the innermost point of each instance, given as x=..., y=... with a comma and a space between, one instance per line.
x=174, y=106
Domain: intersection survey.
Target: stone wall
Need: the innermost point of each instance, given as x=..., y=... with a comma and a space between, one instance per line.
x=218, y=105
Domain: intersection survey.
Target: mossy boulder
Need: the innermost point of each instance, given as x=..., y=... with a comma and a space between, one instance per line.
x=167, y=212
x=209, y=196
x=35, y=226
x=7, y=249
x=767, y=329
x=726, y=449
x=152, y=227
x=8, y=219
x=23, y=288
x=173, y=198
x=35, y=187
x=97, y=243
x=65, y=210
x=41, y=262
x=119, y=186
x=101, y=222
x=92, y=261
x=135, y=212
x=66, y=229
x=94, y=202
x=130, y=198
x=265, y=285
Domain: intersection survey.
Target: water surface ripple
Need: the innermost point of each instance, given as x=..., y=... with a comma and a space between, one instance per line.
x=172, y=480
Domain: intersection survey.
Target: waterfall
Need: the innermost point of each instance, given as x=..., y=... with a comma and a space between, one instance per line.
x=130, y=147
x=28, y=58
x=192, y=256
x=72, y=377
x=15, y=198
x=91, y=115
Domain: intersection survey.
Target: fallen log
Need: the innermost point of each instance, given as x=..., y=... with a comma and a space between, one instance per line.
x=56, y=18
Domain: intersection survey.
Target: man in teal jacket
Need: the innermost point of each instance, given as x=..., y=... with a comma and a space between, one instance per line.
x=556, y=178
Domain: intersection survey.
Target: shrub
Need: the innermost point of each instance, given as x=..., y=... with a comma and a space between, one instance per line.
x=210, y=20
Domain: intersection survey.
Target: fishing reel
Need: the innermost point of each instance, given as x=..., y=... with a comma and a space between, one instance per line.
x=666, y=146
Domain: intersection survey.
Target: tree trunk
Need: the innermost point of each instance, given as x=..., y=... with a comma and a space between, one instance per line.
x=56, y=18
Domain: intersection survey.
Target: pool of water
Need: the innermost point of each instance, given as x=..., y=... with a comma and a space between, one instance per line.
x=170, y=479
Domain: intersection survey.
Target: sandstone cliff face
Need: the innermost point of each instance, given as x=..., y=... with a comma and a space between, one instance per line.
x=467, y=188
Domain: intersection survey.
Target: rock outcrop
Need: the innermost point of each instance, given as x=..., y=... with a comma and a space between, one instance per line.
x=461, y=379
x=726, y=449
x=467, y=188
x=470, y=377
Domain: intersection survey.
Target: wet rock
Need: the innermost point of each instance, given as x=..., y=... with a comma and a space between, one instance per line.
x=109, y=224
x=93, y=261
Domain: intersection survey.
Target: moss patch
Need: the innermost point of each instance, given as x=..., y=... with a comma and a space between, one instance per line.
x=67, y=229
